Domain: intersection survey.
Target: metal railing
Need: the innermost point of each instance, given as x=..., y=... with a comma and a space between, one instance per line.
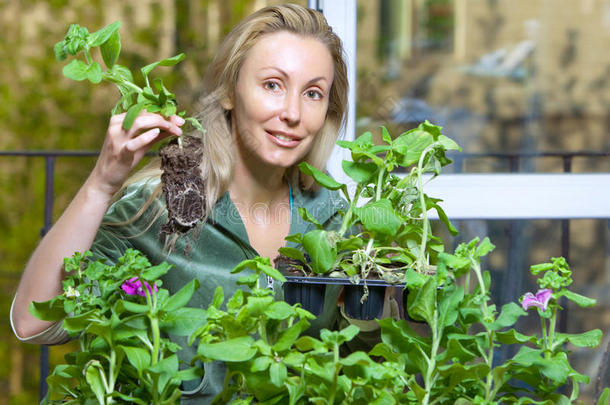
x=514, y=159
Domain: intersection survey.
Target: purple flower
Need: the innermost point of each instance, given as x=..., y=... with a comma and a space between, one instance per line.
x=133, y=286
x=540, y=300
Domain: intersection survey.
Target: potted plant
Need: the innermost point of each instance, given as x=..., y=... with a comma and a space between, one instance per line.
x=385, y=232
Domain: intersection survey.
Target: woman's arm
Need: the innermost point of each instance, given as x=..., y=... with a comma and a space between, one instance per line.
x=75, y=230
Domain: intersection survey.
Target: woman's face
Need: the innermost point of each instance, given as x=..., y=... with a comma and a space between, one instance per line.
x=281, y=98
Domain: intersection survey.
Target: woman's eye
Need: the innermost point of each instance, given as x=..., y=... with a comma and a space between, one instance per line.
x=271, y=85
x=316, y=95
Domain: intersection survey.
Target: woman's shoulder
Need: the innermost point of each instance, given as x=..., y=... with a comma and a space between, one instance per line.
x=135, y=196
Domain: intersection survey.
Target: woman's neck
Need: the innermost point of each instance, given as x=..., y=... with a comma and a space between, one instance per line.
x=260, y=186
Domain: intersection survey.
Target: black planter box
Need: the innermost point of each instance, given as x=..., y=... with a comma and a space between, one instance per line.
x=309, y=292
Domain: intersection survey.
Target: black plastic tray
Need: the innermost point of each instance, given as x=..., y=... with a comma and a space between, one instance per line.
x=339, y=280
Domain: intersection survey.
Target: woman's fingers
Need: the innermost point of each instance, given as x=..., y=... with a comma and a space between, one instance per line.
x=144, y=139
x=146, y=121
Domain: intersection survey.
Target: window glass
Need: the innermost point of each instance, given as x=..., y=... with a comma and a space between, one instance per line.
x=522, y=86
x=501, y=76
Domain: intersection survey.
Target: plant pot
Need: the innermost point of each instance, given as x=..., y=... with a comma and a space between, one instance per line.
x=369, y=309
x=309, y=292
x=310, y=296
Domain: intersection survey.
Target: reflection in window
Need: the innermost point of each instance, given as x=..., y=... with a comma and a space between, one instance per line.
x=522, y=86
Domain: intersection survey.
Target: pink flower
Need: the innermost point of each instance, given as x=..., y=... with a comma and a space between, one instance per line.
x=134, y=287
x=540, y=300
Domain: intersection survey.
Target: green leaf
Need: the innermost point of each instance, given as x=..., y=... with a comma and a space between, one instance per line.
x=271, y=272
x=131, y=115
x=94, y=73
x=76, y=70
x=414, y=280
x=349, y=333
x=322, y=179
x=183, y=321
x=152, y=273
x=455, y=352
x=279, y=310
x=580, y=300
x=484, y=247
x=320, y=251
x=182, y=297
x=60, y=51
x=166, y=369
x=121, y=76
x=111, y=49
x=511, y=336
x=360, y=172
x=138, y=357
x=232, y=350
x=99, y=37
x=52, y=310
x=604, y=398
x=78, y=323
x=448, y=311
x=443, y=217
x=379, y=217
x=218, y=298
x=94, y=375
x=423, y=303
x=132, y=307
x=165, y=62
x=509, y=315
x=293, y=253
x=261, y=364
x=277, y=374
x=191, y=373
x=587, y=339
x=410, y=145
x=308, y=343
x=309, y=218
x=290, y=335
x=385, y=135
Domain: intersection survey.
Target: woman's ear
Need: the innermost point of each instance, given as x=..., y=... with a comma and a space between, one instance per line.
x=226, y=103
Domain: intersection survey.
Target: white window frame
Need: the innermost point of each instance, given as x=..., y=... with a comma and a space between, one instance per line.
x=477, y=196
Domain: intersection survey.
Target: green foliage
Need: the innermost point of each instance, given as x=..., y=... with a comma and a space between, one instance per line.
x=134, y=99
x=394, y=227
x=122, y=353
x=270, y=360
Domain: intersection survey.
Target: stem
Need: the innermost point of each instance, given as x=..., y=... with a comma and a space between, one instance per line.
x=379, y=184
x=399, y=186
x=489, y=380
x=429, y=378
x=348, y=215
x=87, y=55
x=331, y=400
x=154, y=323
x=552, y=323
x=422, y=202
x=111, y=374
x=544, y=335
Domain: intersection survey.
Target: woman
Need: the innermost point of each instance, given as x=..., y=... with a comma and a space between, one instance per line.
x=275, y=96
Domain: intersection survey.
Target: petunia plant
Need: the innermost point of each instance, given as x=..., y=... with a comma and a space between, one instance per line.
x=121, y=317
x=385, y=230
x=135, y=98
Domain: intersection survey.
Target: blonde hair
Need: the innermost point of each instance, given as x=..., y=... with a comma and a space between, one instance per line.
x=219, y=88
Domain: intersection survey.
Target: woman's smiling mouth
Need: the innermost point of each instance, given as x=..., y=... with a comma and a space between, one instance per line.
x=284, y=139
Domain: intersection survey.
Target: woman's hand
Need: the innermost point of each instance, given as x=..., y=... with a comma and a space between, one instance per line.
x=123, y=150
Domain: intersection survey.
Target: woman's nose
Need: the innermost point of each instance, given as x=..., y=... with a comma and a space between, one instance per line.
x=291, y=110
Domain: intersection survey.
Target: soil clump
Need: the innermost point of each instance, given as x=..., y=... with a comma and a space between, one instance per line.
x=182, y=184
